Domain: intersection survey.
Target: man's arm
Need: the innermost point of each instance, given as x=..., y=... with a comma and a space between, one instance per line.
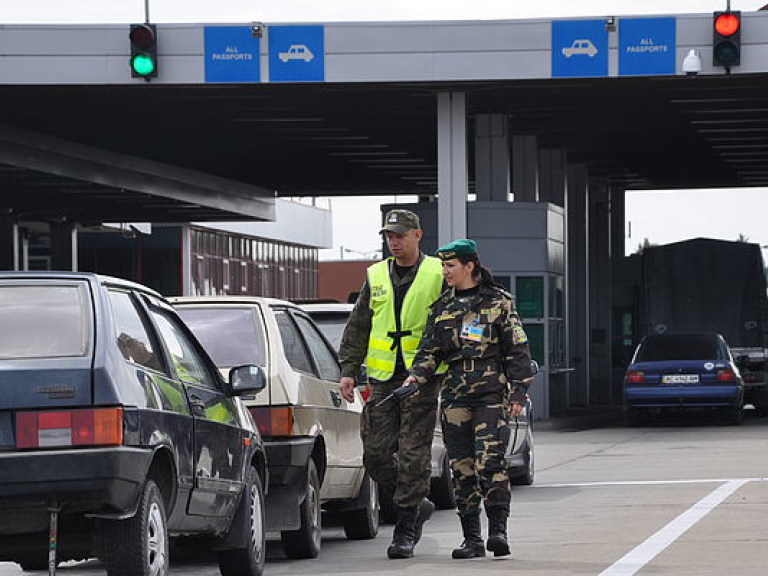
x=354, y=342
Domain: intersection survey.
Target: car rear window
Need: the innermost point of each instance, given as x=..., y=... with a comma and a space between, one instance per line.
x=682, y=347
x=44, y=321
x=231, y=336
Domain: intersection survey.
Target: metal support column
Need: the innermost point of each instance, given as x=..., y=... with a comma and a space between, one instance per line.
x=577, y=318
x=451, y=167
x=492, y=179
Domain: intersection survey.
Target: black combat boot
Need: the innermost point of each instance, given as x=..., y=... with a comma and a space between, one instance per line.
x=423, y=514
x=472, y=547
x=497, y=532
x=403, y=534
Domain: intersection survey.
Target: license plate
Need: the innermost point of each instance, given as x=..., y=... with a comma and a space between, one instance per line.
x=680, y=379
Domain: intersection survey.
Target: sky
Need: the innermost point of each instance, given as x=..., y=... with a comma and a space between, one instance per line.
x=661, y=217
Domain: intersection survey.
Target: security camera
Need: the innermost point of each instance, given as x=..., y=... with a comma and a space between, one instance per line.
x=692, y=63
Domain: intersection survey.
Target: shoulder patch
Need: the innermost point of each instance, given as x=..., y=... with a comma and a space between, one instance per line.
x=518, y=335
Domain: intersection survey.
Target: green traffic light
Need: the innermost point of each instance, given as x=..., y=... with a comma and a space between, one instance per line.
x=143, y=65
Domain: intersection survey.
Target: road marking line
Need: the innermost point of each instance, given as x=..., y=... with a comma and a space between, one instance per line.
x=648, y=550
x=645, y=483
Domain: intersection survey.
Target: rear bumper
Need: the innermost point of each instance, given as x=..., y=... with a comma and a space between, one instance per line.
x=683, y=396
x=96, y=481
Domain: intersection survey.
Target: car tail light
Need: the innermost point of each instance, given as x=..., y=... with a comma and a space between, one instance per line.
x=273, y=421
x=753, y=377
x=726, y=375
x=86, y=427
x=634, y=377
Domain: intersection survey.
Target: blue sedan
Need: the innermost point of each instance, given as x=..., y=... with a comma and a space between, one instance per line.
x=683, y=371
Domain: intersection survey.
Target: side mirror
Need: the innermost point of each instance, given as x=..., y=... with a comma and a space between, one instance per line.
x=247, y=379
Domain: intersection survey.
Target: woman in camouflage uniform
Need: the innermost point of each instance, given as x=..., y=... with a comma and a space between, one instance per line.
x=474, y=328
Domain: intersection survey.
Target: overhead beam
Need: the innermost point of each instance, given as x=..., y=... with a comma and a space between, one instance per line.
x=64, y=158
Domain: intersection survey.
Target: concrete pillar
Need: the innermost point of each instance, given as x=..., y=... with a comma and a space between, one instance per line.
x=553, y=177
x=63, y=246
x=600, y=292
x=618, y=217
x=577, y=314
x=525, y=168
x=9, y=243
x=492, y=158
x=451, y=166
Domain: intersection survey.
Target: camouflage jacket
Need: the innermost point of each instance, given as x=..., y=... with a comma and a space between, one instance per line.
x=482, y=340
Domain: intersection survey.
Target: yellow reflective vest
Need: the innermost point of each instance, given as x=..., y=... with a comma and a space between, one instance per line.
x=382, y=342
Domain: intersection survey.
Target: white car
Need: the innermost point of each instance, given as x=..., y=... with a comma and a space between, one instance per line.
x=581, y=46
x=311, y=434
x=296, y=52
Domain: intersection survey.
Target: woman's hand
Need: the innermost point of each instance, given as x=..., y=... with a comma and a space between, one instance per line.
x=516, y=409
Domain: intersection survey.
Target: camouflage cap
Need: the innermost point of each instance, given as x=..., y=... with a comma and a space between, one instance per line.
x=400, y=221
x=457, y=248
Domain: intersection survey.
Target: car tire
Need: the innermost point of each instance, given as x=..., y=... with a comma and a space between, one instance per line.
x=736, y=415
x=363, y=524
x=441, y=490
x=527, y=475
x=387, y=508
x=138, y=546
x=306, y=541
x=248, y=561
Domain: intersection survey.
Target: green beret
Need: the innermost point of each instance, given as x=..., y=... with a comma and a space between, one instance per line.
x=457, y=248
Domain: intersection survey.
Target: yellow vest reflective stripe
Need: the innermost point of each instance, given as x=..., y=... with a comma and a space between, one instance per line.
x=425, y=289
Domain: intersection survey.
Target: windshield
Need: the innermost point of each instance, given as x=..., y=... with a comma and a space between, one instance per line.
x=679, y=347
x=44, y=321
x=231, y=336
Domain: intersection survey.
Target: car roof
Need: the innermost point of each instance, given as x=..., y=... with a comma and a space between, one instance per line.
x=319, y=307
x=69, y=275
x=231, y=299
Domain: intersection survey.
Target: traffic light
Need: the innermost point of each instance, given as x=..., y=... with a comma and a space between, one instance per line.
x=143, y=51
x=726, y=38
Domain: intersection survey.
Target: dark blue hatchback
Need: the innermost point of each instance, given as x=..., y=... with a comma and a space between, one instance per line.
x=683, y=371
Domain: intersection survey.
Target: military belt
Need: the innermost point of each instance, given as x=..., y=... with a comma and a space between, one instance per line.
x=475, y=364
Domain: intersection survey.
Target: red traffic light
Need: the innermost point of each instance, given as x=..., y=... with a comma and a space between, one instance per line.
x=142, y=36
x=727, y=23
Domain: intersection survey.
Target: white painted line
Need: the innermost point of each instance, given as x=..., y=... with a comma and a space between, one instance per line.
x=645, y=483
x=648, y=550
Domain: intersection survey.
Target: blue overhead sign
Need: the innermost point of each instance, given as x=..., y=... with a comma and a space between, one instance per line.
x=579, y=48
x=231, y=54
x=296, y=54
x=646, y=46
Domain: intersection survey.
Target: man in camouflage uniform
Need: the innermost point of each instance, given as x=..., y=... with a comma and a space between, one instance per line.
x=475, y=329
x=383, y=331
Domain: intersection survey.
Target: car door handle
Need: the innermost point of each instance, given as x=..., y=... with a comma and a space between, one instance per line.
x=336, y=398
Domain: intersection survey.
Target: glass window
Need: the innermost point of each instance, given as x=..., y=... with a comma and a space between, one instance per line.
x=529, y=296
x=44, y=321
x=324, y=356
x=295, y=350
x=231, y=336
x=133, y=339
x=679, y=347
x=189, y=365
x=535, y=334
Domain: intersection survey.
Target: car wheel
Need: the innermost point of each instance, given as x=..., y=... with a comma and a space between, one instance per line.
x=248, y=561
x=441, y=492
x=526, y=476
x=305, y=542
x=138, y=546
x=363, y=524
x=387, y=508
x=34, y=564
x=736, y=415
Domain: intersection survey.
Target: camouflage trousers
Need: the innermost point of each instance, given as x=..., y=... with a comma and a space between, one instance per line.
x=476, y=434
x=397, y=441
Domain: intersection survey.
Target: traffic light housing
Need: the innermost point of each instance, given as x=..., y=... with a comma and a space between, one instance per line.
x=726, y=38
x=143, y=51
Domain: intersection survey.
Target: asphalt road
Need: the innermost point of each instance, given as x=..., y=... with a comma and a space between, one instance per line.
x=676, y=498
